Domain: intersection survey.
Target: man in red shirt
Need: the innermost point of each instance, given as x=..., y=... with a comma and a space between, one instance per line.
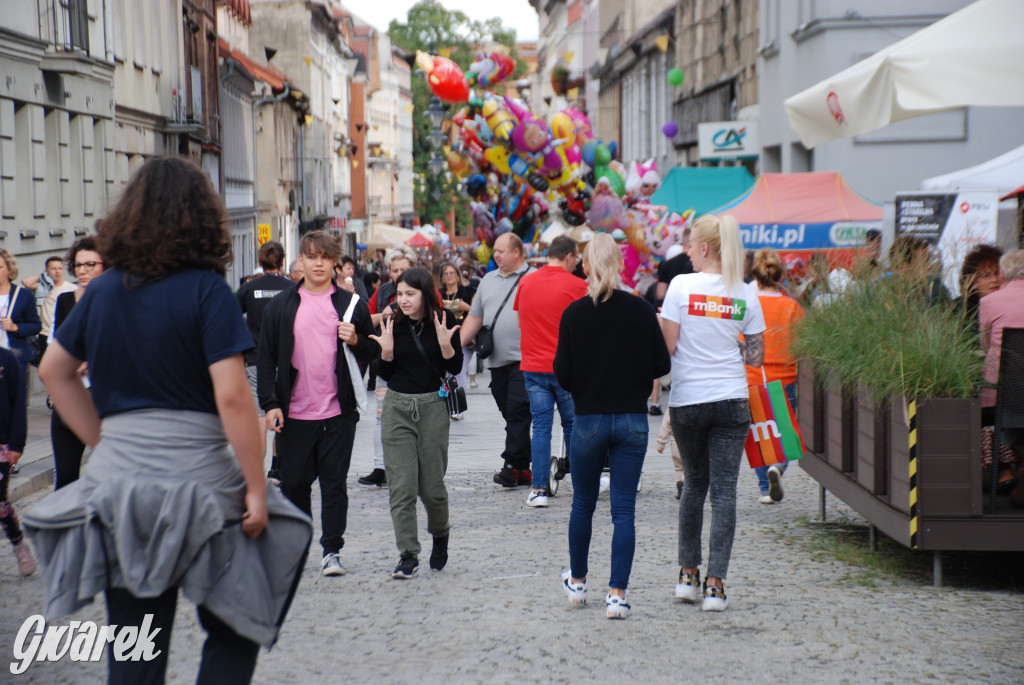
x=540, y=301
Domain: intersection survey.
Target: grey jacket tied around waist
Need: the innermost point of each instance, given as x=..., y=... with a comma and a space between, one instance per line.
x=160, y=504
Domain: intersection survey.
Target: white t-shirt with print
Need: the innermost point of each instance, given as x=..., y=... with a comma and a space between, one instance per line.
x=707, y=365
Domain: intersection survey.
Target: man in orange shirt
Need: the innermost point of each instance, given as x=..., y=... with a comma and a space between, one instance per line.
x=540, y=301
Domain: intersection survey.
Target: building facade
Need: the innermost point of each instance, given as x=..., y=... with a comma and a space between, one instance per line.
x=803, y=42
x=635, y=76
x=310, y=49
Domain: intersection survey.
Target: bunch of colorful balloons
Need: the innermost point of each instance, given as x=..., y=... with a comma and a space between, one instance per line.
x=515, y=166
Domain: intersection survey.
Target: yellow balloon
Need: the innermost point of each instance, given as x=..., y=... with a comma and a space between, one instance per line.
x=498, y=157
x=562, y=127
x=483, y=253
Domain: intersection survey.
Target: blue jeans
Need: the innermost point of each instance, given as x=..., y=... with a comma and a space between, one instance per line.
x=762, y=471
x=622, y=438
x=545, y=393
x=710, y=438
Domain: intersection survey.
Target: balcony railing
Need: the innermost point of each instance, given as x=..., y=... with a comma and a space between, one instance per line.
x=64, y=24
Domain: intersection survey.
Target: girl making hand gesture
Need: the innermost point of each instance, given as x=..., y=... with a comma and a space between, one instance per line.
x=414, y=419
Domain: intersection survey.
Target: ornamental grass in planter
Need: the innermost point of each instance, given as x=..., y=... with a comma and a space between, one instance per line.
x=883, y=336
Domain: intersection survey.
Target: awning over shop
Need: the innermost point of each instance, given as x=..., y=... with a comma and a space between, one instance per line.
x=971, y=57
x=701, y=188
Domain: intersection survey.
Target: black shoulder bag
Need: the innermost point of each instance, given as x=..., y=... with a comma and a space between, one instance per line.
x=454, y=394
x=485, y=337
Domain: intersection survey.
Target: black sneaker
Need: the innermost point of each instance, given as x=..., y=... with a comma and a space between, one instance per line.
x=407, y=567
x=508, y=477
x=563, y=468
x=376, y=477
x=525, y=477
x=273, y=476
x=655, y=410
x=439, y=554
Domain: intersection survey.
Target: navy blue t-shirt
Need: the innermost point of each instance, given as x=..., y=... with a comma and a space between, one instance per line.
x=151, y=347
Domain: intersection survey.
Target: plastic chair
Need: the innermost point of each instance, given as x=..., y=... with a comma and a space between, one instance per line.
x=1009, y=398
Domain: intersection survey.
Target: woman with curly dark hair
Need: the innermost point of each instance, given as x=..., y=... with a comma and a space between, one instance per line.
x=174, y=494
x=979, y=276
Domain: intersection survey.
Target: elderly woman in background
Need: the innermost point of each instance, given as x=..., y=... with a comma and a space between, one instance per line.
x=998, y=310
x=19, y=318
x=456, y=296
x=86, y=264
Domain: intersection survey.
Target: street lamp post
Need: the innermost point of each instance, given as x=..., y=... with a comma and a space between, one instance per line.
x=436, y=112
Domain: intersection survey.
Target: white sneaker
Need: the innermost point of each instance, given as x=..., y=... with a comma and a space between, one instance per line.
x=688, y=587
x=537, y=498
x=766, y=499
x=331, y=566
x=775, y=483
x=576, y=592
x=616, y=606
x=605, y=484
x=714, y=599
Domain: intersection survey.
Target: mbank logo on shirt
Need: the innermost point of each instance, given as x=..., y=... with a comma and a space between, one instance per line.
x=717, y=307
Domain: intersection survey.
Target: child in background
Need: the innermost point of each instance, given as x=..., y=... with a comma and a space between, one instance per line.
x=665, y=436
x=13, y=431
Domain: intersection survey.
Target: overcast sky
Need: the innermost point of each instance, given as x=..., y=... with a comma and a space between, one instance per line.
x=516, y=14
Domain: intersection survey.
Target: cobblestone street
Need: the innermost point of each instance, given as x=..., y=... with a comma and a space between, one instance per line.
x=496, y=613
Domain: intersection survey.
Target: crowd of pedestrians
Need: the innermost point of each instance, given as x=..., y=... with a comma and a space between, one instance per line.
x=154, y=365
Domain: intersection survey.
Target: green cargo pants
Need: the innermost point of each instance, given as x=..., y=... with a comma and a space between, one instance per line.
x=414, y=430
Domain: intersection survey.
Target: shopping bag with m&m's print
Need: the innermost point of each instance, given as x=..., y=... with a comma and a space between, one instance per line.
x=774, y=436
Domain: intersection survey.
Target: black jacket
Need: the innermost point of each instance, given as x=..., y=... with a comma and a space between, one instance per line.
x=608, y=354
x=277, y=342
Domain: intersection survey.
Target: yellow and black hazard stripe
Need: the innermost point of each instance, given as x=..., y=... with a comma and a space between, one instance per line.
x=913, y=474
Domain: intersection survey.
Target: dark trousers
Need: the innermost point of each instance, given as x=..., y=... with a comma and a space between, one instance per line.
x=228, y=658
x=321, y=449
x=67, y=452
x=509, y=391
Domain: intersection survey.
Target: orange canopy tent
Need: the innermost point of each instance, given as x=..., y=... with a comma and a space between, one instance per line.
x=800, y=213
x=803, y=211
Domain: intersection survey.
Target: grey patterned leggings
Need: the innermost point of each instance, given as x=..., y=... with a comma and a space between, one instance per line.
x=710, y=437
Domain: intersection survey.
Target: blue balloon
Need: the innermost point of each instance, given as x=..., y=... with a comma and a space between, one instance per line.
x=588, y=150
x=613, y=148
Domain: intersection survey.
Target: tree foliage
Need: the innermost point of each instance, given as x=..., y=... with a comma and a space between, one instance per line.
x=430, y=27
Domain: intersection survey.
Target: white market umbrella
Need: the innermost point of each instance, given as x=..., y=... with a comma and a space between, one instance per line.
x=972, y=57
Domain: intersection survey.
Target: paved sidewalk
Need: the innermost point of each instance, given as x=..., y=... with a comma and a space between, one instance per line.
x=496, y=613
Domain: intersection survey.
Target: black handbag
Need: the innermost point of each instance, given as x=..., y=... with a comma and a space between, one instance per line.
x=454, y=394
x=485, y=337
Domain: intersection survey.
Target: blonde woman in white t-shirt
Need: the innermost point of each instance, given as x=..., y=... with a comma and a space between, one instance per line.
x=703, y=315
